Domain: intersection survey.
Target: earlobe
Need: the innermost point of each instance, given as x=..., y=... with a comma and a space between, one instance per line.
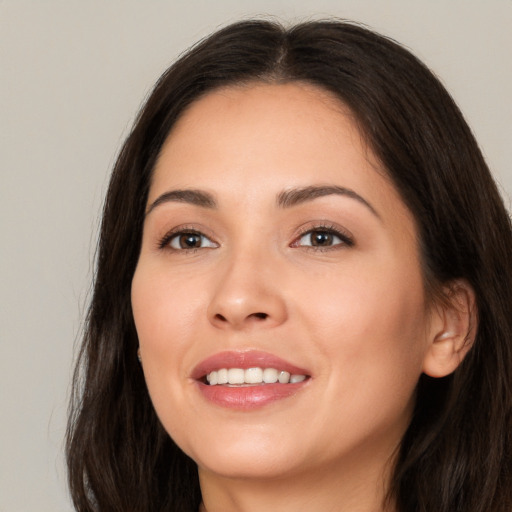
x=452, y=331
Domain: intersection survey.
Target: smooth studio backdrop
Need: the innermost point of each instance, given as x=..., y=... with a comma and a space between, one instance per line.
x=72, y=76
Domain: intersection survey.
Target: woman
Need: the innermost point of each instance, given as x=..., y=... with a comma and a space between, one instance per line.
x=303, y=291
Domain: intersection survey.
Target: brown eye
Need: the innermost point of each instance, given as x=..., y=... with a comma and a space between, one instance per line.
x=319, y=238
x=190, y=240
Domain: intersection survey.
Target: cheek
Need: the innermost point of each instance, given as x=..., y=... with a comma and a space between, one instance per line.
x=371, y=322
x=373, y=338
x=164, y=309
x=165, y=313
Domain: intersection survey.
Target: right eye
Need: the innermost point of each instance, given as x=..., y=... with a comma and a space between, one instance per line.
x=189, y=240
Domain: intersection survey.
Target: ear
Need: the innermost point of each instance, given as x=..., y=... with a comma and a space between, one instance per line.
x=452, y=329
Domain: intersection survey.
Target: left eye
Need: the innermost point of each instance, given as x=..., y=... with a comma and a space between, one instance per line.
x=191, y=240
x=320, y=238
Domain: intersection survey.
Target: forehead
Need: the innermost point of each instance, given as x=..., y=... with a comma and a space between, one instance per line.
x=261, y=123
x=262, y=138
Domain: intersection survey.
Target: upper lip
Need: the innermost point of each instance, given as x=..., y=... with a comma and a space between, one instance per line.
x=244, y=360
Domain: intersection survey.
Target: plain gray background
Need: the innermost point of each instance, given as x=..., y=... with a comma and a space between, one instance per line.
x=72, y=76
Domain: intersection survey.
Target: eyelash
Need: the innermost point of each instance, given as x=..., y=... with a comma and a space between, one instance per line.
x=165, y=241
x=346, y=239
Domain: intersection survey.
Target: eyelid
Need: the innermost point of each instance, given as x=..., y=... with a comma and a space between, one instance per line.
x=175, y=241
x=164, y=241
x=342, y=233
x=347, y=239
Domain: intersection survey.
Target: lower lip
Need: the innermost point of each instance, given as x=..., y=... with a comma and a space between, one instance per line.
x=249, y=397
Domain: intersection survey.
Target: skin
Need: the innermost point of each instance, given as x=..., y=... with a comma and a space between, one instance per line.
x=355, y=315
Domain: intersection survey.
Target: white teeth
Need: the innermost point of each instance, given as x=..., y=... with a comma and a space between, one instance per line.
x=252, y=376
x=284, y=377
x=270, y=375
x=222, y=376
x=236, y=376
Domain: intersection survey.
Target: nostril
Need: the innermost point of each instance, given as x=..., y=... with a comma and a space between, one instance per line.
x=235, y=320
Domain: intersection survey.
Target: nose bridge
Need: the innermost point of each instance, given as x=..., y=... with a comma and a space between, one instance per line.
x=246, y=292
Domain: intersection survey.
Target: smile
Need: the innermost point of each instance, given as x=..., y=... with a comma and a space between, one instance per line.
x=252, y=377
x=248, y=380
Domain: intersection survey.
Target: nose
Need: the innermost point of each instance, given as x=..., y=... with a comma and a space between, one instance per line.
x=247, y=294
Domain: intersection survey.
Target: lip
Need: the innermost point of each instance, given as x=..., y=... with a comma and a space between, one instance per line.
x=250, y=397
x=244, y=360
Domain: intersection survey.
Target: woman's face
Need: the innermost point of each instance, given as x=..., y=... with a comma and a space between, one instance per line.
x=273, y=243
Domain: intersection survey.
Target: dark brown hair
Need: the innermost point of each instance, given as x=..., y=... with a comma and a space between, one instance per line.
x=457, y=452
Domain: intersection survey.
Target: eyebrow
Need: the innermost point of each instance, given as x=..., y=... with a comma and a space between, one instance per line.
x=296, y=196
x=190, y=196
x=285, y=199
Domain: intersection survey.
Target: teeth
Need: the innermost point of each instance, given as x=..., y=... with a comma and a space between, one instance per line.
x=253, y=376
x=222, y=376
x=270, y=375
x=284, y=377
x=238, y=376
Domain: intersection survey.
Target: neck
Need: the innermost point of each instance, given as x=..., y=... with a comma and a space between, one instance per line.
x=357, y=489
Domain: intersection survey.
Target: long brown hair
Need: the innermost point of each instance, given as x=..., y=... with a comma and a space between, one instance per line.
x=457, y=452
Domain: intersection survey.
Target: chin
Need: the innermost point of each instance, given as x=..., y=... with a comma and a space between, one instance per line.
x=245, y=457
x=257, y=468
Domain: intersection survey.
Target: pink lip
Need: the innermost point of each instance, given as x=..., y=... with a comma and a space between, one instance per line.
x=250, y=397
x=244, y=360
